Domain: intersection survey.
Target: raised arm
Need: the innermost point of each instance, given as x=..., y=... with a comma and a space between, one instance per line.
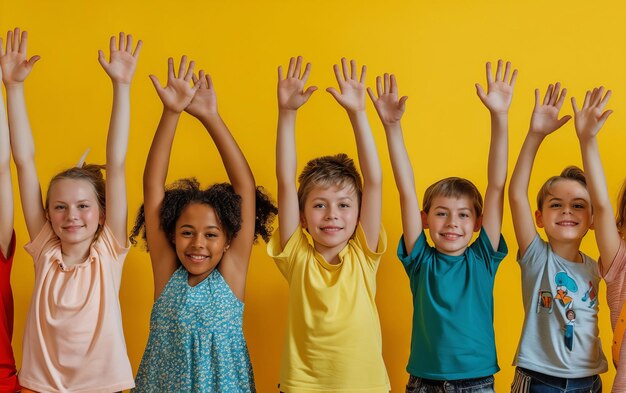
x=291, y=96
x=498, y=101
x=15, y=68
x=234, y=264
x=6, y=189
x=351, y=96
x=589, y=120
x=544, y=121
x=390, y=110
x=120, y=68
x=176, y=95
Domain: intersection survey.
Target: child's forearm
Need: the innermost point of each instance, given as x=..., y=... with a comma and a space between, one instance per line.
x=498, y=151
x=22, y=144
x=119, y=126
x=366, y=149
x=6, y=189
x=157, y=163
x=288, y=206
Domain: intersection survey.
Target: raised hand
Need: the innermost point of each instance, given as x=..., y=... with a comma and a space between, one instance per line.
x=351, y=94
x=123, y=61
x=291, y=93
x=15, y=65
x=178, y=92
x=545, y=118
x=499, y=90
x=590, y=118
x=389, y=108
x=204, y=102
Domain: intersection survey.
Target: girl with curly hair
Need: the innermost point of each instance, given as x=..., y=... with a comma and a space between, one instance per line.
x=199, y=242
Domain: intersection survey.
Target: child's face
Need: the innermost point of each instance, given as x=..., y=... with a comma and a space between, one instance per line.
x=566, y=212
x=73, y=211
x=452, y=222
x=199, y=240
x=330, y=215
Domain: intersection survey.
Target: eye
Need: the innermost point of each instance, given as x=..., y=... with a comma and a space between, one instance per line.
x=83, y=206
x=440, y=214
x=555, y=205
x=319, y=206
x=579, y=206
x=464, y=215
x=59, y=207
x=211, y=235
x=344, y=205
x=186, y=233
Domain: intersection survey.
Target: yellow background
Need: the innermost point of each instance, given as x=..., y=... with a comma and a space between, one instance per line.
x=437, y=49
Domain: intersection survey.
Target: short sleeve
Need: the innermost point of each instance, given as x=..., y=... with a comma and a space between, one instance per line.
x=412, y=261
x=107, y=244
x=536, y=252
x=286, y=256
x=618, y=266
x=372, y=256
x=45, y=240
x=484, y=250
x=11, y=251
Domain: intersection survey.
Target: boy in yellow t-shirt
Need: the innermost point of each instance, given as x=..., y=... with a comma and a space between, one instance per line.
x=333, y=340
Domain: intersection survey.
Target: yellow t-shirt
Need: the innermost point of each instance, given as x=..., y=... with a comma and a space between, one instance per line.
x=333, y=341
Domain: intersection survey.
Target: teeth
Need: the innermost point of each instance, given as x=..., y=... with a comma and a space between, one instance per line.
x=197, y=257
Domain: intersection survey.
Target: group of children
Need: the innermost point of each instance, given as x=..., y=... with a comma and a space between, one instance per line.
x=328, y=246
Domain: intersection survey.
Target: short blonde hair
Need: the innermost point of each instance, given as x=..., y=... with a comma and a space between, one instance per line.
x=454, y=187
x=327, y=171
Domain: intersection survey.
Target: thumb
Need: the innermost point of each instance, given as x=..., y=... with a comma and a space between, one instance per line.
x=156, y=82
x=333, y=92
x=604, y=116
x=310, y=90
x=402, y=102
x=31, y=62
x=480, y=92
x=564, y=120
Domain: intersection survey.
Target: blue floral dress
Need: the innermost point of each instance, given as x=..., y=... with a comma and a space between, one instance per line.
x=196, y=341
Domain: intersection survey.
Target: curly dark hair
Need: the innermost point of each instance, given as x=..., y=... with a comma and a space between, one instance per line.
x=221, y=197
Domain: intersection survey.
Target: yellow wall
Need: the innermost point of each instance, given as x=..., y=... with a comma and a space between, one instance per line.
x=437, y=50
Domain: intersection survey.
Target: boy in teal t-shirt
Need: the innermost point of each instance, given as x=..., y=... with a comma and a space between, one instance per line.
x=452, y=283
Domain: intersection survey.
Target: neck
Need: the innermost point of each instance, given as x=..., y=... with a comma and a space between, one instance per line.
x=567, y=250
x=76, y=253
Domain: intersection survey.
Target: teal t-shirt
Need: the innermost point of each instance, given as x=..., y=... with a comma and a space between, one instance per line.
x=453, y=335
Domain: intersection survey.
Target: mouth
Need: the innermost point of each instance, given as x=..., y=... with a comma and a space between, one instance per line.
x=197, y=258
x=331, y=229
x=567, y=223
x=450, y=236
x=72, y=228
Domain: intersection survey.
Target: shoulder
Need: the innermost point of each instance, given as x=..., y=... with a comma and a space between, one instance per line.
x=107, y=246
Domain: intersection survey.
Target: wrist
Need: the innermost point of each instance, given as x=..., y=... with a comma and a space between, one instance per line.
x=120, y=84
x=13, y=85
x=208, y=118
x=170, y=112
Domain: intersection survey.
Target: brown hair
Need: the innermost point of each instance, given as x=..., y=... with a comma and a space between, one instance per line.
x=327, y=171
x=572, y=172
x=91, y=173
x=454, y=187
x=620, y=219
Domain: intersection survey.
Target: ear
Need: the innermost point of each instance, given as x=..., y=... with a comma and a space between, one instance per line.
x=303, y=221
x=478, y=224
x=424, y=219
x=102, y=218
x=539, y=219
x=226, y=247
x=592, y=226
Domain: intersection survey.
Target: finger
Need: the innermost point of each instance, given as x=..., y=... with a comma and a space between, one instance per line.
x=489, y=74
x=561, y=99
x=209, y=81
x=129, y=43
x=344, y=68
x=546, y=98
x=298, y=68
x=170, y=68
x=16, y=39
x=353, y=75
x=379, y=86
x=370, y=93
x=604, y=116
x=309, y=91
x=481, y=92
x=202, y=79
x=513, y=78
x=337, y=74
x=499, y=71
x=574, y=105
x=9, y=41
x=138, y=49
x=555, y=93
x=182, y=66
x=393, y=85
x=587, y=98
x=280, y=73
x=292, y=64
x=102, y=59
x=23, y=42
x=402, y=102
x=537, y=98
x=507, y=72
x=156, y=82
x=307, y=72
x=33, y=60
x=1, y=47
x=112, y=44
x=194, y=79
x=597, y=96
x=122, y=43
x=386, y=87
x=363, y=74
x=190, y=69
x=605, y=100
x=563, y=120
x=333, y=92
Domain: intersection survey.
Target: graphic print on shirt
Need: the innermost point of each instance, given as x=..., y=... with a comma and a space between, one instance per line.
x=545, y=301
x=591, y=295
x=564, y=285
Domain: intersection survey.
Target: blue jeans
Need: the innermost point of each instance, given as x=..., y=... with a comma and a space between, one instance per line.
x=528, y=381
x=475, y=385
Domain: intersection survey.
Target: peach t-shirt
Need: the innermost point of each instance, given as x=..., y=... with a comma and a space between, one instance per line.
x=615, y=296
x=73, y=340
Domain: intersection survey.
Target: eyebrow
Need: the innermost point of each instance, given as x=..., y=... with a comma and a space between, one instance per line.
x=207, y=227
x=446, y=208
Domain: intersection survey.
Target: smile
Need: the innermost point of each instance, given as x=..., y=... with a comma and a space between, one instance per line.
x=450, y=236
x=72, y=228
x=331, y=229
x=567, y=223
x=197, y=258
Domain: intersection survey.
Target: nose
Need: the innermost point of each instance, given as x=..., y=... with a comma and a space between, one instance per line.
x=451, y=222
x=72, y=213
x=331, y=213
x=566, y=210
x=198, y=242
